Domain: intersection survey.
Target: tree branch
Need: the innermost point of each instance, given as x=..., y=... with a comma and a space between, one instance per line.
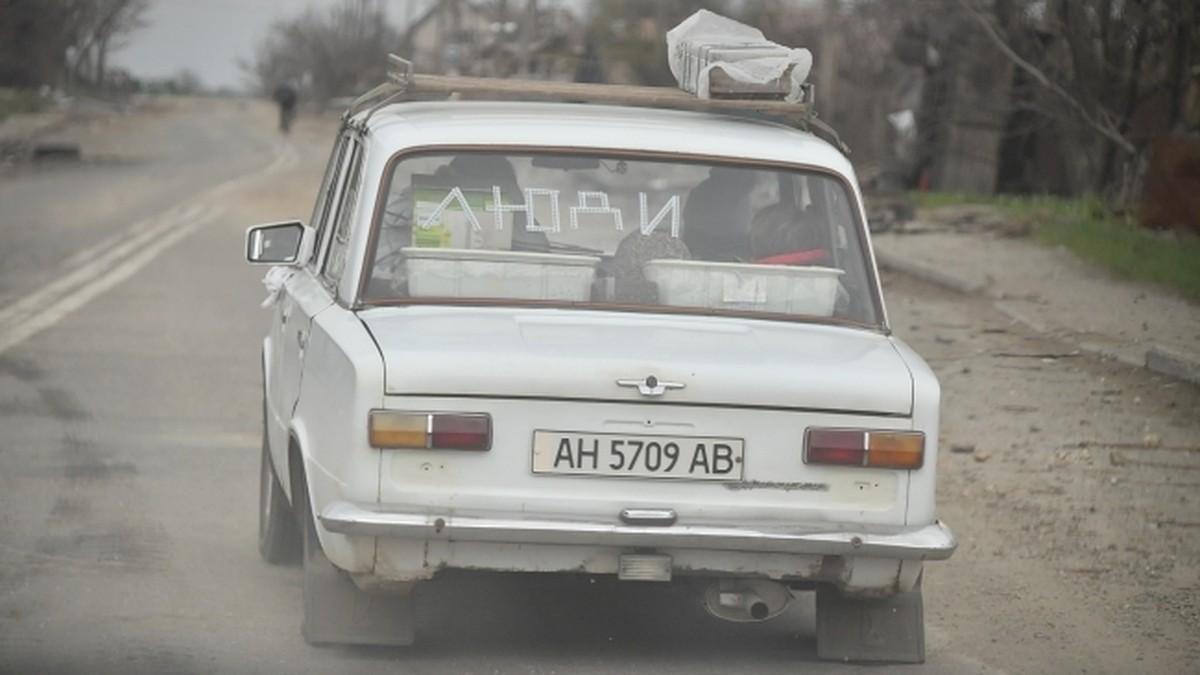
x=1103, y=126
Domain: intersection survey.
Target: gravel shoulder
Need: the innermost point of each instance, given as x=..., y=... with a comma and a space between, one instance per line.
x=1068, y=469
x=969, y=249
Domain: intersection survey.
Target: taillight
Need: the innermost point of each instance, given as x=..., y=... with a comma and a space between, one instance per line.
x=862, y=447
x=461, y=432
x=429, y=431
x=896, y=449
x=835, y=446
x=389, y=429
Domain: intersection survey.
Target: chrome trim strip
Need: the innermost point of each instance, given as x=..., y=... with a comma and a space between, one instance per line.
x=655, y=517
x=930, y=542
x=680, y=404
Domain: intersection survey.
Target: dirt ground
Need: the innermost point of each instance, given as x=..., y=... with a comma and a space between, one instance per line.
x=1069, y=473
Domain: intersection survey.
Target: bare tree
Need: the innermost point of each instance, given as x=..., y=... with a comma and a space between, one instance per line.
x=630, y=36
x=31, y=50
x=63, y=42
x=94, y=28
x=1108, y=75
x=336, y=53
x=1062, y=96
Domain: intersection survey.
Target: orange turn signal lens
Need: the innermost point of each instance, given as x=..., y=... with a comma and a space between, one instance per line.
x=429, y=431
x=390, y=429
x=896, y=449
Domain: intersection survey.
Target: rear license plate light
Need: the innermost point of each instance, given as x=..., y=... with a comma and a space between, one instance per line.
x=644, y=567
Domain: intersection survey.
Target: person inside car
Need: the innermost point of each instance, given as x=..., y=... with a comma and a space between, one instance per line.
x=782, y=234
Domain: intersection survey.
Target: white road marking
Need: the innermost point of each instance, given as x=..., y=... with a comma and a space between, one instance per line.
x=98, y=268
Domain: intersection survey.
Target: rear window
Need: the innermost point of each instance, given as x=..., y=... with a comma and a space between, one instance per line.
x=622, y=232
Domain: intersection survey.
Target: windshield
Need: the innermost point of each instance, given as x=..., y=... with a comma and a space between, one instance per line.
x=609, y=231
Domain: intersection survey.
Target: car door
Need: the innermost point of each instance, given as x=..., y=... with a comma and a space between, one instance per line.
x=304, y=294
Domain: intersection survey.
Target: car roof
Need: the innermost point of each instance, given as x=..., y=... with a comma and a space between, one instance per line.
x=602, y=127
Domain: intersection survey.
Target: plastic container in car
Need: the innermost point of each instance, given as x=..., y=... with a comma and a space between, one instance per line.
x=482, y=273
x=768, y=288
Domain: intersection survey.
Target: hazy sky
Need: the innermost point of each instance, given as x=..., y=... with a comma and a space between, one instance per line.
x=208, y=37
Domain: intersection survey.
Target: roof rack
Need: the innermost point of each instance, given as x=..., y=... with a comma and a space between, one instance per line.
x=404, y=84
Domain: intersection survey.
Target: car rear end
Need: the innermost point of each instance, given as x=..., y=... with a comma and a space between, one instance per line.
x=648, y=449
x=642, y=361
x=660, y=353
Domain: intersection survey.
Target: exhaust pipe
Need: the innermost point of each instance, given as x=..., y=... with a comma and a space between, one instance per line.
x=746, y=600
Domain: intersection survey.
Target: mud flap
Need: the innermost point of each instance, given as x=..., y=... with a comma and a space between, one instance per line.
x=336, y=611
x=891, y=630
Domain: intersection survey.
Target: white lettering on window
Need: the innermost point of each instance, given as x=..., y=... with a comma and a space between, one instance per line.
x=601, y=208
x=593, y=203
x=499, y=207
x=671, y=206
x=451, y=196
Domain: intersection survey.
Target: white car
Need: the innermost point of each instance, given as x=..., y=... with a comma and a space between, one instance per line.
x=594, y=339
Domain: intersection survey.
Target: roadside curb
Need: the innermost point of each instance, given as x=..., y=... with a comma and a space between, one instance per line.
x=32, y=134
x=1163, y=360
x=1174, y=363
x=24, y=126
x=924, y=273
x=19, y=134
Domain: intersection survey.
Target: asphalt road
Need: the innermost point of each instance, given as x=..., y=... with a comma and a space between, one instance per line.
x=129, y=448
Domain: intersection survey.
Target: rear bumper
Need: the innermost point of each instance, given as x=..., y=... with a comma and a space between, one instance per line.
x=930, y=542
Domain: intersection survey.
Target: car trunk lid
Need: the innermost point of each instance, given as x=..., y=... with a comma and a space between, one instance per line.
x=609, y=356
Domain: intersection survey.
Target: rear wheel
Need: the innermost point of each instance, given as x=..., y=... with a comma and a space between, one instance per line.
x=336, y=611
x=889, y=630
x=278, y=536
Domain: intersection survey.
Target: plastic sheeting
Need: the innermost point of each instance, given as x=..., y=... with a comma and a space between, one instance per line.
x=706, y=41
x=274, y=281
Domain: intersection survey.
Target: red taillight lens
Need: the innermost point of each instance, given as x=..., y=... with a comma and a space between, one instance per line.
x=429, y=431
x=860, y=447
x=462, y=432
x=835, y=446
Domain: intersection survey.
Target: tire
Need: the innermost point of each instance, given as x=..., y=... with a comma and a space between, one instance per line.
x=890, y=630
x=278, y=537
x=336, y=611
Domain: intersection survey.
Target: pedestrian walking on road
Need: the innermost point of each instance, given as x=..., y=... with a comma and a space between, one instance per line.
x=286, y=97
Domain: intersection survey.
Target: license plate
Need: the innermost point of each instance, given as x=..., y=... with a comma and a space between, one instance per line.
x=690, y=457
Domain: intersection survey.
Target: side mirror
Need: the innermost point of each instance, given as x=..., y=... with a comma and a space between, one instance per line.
x=275, y=243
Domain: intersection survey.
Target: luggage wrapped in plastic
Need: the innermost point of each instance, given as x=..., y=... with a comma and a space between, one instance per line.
x=714, y=56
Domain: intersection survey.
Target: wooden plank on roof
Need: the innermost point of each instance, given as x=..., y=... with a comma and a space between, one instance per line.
x=418, y=86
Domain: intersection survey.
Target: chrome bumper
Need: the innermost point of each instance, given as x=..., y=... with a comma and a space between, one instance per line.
x=930, y=542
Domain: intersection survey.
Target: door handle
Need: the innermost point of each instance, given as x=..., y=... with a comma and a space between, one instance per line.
x=302, y=339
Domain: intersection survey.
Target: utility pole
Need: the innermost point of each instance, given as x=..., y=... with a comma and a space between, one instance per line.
x=827, y=55
x=529, y=29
